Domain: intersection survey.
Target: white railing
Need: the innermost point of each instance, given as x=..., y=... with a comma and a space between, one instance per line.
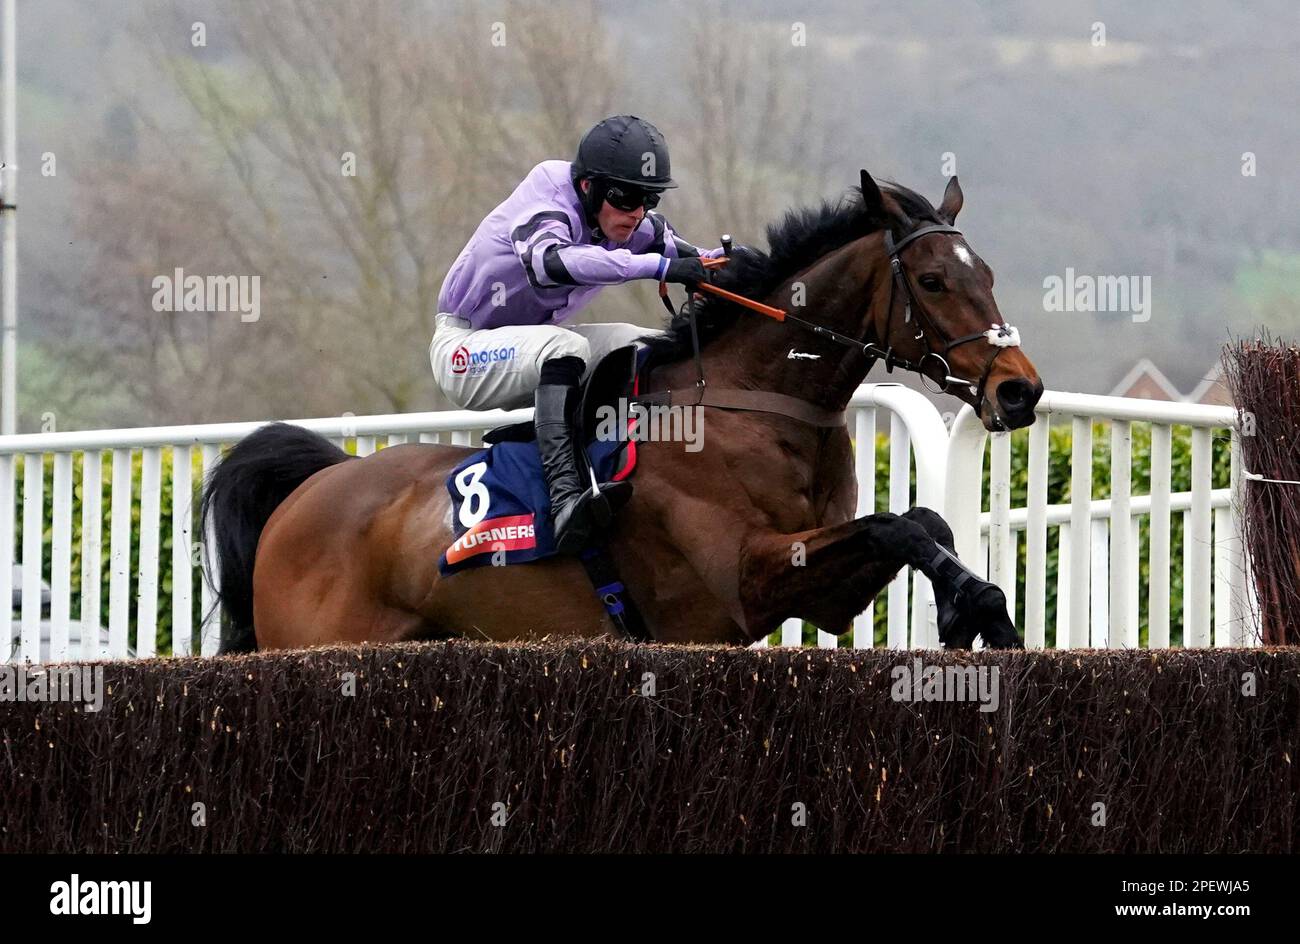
x=1097, y=582
x=173, y=458
x=190, y=448
x=1098, y=550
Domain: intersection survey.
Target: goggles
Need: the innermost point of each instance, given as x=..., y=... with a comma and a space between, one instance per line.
x=628, y=198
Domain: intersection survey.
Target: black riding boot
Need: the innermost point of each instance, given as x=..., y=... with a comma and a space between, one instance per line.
x=568, y=482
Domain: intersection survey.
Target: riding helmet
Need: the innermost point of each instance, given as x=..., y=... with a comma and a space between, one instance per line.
x=617, y=149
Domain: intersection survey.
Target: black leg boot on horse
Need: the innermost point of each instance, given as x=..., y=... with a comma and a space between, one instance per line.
x=579, y=509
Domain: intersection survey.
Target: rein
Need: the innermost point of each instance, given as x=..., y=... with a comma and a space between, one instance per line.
x=1000, y=336
x=752, y=401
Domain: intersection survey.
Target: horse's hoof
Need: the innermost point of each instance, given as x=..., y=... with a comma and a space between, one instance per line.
x=1002, y=634
x=953, y=631
x=990, y=603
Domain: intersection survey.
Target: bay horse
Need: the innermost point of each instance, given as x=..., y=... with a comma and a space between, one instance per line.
x=718, y=545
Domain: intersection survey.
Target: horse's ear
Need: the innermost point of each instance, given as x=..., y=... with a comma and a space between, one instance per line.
x=872, y=198
x=952, y=199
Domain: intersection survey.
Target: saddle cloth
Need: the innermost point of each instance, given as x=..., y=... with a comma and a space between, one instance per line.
x=500, y=508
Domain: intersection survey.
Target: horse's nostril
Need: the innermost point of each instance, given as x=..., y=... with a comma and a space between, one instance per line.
x=1012, y=394
x=1018, y=396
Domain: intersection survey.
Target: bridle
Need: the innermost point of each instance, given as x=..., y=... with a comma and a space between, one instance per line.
x=1000, y=336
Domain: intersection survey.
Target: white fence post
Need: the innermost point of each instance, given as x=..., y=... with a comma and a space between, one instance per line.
x=182, y=560
x=210, y=618
x=1036, y=535
x=33, y=553
x=146, y=633
x=1080, y=531
x=1158, y=592
x=1197, y=574
x=61, y=558
x=119, y=556
x=1119, y=631
x=93, y=646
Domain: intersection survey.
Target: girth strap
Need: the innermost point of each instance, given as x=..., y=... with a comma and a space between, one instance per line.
x=613, y=595
x=760, y=401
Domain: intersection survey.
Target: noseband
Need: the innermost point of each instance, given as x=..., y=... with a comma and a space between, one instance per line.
x=1000, y=336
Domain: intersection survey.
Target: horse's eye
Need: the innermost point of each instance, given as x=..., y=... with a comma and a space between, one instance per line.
x=931, y=283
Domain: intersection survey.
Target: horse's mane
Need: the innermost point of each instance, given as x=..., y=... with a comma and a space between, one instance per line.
x=797, y=241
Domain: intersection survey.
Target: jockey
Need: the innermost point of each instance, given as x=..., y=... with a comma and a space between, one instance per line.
x=568, y=230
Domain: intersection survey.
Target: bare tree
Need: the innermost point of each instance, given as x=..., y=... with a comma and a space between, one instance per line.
x=343, y=153
x=754, y=138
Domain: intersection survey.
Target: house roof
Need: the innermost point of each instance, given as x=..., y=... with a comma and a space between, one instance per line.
x=1145, y=367
x=1212, y=379
x=1203, y=391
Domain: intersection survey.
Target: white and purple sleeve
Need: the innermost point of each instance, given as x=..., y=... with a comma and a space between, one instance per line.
x=673, y=245
x=545, y=248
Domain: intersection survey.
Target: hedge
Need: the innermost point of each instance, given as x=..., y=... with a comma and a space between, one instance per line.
x=603, y=747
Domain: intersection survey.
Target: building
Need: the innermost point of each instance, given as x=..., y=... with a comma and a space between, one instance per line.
x=1147, y=382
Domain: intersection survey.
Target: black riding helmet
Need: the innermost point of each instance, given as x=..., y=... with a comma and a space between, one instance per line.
x=624, y=149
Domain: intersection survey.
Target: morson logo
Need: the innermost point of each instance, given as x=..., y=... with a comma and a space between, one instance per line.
x=463, y=360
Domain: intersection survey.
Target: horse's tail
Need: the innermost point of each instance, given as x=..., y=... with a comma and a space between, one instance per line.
x=240, y=494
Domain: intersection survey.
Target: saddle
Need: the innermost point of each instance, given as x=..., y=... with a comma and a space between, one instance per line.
x=500, y=505
x=613, y=378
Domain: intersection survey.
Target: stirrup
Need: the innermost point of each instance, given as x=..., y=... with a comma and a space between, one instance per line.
x=575, y=533
x=590, y=512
